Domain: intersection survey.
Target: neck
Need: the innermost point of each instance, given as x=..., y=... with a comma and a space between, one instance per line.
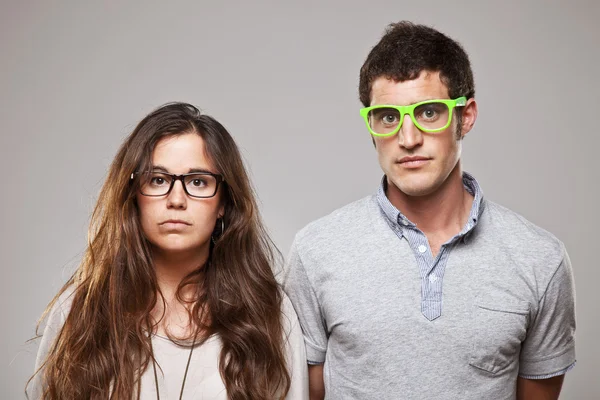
x=444, y=210
x=172, y=268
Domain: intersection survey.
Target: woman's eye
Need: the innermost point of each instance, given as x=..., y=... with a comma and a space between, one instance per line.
x=157, y=181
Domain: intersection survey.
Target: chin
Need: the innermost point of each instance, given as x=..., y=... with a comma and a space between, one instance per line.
x=416, y=191
x=178, y=247
x=415, y=185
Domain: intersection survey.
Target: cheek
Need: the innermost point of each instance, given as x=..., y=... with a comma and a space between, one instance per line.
x=448, y=149
x=146, y=215
x=205, y=213
x=204, y=219
x=385, y=150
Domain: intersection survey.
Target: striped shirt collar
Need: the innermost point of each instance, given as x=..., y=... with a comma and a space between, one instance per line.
x=399, y=221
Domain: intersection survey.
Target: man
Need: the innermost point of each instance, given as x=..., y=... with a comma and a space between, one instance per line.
x=426, y=290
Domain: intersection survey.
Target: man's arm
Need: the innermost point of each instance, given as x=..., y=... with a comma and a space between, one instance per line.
x=303, y=296
x=538, y=389
x=316, y=386
x=548, y=352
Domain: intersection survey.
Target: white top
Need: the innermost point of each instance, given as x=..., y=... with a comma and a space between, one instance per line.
x=203, y=379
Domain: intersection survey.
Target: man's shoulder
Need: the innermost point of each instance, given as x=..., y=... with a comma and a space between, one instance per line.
x=343, y=221
x=518, y=233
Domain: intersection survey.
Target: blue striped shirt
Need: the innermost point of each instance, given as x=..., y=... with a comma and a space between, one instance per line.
x=431, y=269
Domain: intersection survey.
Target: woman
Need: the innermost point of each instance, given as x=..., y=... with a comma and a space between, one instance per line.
x=175, y=296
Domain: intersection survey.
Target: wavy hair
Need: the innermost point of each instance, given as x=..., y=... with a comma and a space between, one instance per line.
x=104, y=345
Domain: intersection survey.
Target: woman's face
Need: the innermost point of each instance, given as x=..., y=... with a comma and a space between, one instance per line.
x=178, y=224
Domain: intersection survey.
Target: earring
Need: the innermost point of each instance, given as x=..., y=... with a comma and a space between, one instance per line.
x=216, y=232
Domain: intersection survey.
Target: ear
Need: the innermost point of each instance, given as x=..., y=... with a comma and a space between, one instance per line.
x=469, y=115
x=221, y=212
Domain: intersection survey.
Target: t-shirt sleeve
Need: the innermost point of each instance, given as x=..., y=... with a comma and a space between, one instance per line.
x=302, y=294
x=549, y=348
x=54, y=323
x=295, y=353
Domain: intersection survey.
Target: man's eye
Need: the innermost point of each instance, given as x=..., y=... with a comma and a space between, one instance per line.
x=429, y=113
x=389, y=118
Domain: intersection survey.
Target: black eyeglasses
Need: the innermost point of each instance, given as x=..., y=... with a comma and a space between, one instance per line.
x=198, y=184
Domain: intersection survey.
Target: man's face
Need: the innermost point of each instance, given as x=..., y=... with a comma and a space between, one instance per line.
x=416, y=162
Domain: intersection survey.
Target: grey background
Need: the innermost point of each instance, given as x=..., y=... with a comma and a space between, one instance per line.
x=282, y=77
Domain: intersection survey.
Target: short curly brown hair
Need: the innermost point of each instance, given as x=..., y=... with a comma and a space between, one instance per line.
x=407, y=49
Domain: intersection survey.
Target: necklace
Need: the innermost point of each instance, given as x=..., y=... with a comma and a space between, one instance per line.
x=187, y=366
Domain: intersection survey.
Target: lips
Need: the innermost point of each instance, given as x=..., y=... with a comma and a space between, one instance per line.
x=413, y=161
x=412, y=158
x=174, y=222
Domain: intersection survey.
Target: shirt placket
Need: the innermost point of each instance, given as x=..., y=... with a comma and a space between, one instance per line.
x=431, y=272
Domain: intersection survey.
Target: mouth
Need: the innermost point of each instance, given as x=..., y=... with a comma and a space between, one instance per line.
x=413, y=161
x=175, y=222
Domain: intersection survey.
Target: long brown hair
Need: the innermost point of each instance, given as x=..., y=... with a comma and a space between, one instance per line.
x=104, y=345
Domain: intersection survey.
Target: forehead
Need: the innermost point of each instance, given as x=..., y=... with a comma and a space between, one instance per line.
x=180, y=153
x=427, y=86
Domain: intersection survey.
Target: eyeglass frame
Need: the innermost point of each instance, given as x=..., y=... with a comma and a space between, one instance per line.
x=409, y=109
x=175, y=177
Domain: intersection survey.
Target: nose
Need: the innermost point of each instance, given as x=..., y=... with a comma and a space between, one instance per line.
x=177, y=198
x=409, y=136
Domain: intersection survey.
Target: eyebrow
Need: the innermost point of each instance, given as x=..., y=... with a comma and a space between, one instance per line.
x=160, y=168
x=416, y=102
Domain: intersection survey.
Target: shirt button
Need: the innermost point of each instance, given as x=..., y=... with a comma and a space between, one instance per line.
x=422, y=249
x=404, y=221
x=433, y=278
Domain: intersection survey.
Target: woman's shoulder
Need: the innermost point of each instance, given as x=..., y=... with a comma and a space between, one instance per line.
x=54, y=321
x=57, y=315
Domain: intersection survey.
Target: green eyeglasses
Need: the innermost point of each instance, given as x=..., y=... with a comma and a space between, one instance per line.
x=429, y=116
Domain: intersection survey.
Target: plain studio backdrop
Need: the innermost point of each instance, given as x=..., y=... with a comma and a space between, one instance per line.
x=77, y=76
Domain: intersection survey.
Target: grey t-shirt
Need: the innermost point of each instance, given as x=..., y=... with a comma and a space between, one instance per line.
x=203, y=380
x=508, y=307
